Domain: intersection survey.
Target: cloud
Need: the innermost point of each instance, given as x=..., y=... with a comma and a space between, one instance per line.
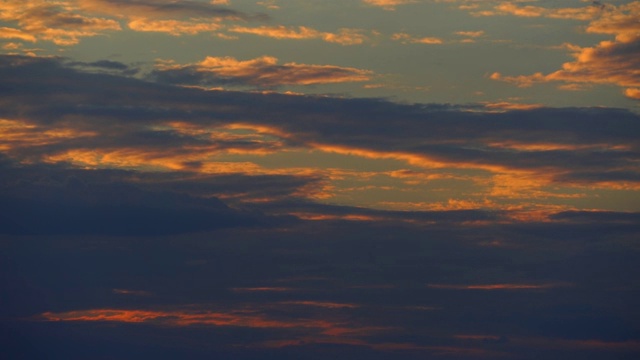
x=66, y=22
x=163, y=9
x=173, y=27
x=515, y=154
x=59, y=22
x=106, y=66
x=388, y=4
x=505, y=105
x=340, y=288
x=10, y=33
x=326, y=310
x=156, y=219
x=183, y=318
x=609, y=62
x=494, y=286
x=176, y=18
x=72, y=205
x=472, y=34
x=469, y=37
x=342, y=37
x=409, y=39
x=262, y=72
x=632, y=93
x=269, y=4
x=510, y=8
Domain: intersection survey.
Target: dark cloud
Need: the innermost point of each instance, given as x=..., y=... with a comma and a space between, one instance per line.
x=350, y=213
x=598, y=217
x=146, y=218
x=49, y=201
x=382, y=270
x=105, y=65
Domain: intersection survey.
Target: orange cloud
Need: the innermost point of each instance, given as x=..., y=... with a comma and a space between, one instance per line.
x=173, y=27
x=408, y=39
x=247, y=316
x=325, y=217
x=58, y=21
x=163, y=159
x=269, y=4
x=505, y=105
x=166, y=16
x=497, y=286
x=472, y=34
x=505, y=181
x=265, y=71
x=342, y=37
x=16, y=135
x=161, y=9
x=12, y=46
x=609, y=62
x=417, y=159
x=181, y=318
x=633, y=93
x=388, y=4
x=510, y=8
x=10, y=33
x=551, y=146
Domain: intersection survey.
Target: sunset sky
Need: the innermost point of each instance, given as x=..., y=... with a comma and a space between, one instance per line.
x=313, y=179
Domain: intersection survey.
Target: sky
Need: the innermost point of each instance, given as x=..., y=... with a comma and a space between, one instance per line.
x=313, y=179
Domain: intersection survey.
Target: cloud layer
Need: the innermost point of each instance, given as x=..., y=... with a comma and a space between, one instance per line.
x=533, y=153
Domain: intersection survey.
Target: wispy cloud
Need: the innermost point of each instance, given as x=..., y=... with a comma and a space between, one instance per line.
x=59, y=22
x=342, y=36
x=388, y=4
x=263, y=72
x=513, y=8
x=410, y=39
x=495, y=286
x=173, y=27
x=535, y=156
x=163, y=9
x=66, y=22
x=609, y=62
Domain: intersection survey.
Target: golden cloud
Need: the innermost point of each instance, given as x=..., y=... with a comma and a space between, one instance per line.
x=58, y=21
x=388, y=4
x=609, y=62
x=264, y=71
x=10, y=33
x=470, y=33
x=342, y=37
x=409, y=39
x=173, y=27
x=511, y=8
